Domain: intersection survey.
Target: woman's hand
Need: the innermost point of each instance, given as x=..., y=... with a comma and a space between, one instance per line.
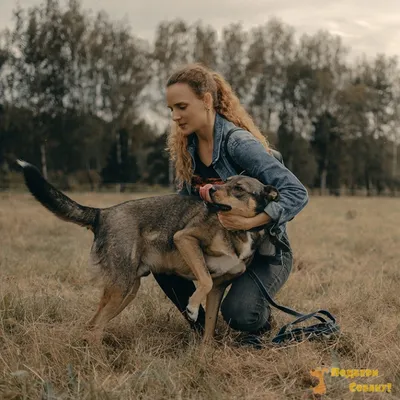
x=239, y=223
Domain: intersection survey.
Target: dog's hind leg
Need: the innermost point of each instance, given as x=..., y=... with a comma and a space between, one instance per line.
x=188, y=245
x=113, y=301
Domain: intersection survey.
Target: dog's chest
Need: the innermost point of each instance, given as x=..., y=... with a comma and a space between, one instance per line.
x=246, y=248
x=230, y=262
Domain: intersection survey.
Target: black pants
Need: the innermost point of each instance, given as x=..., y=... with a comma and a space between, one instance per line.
x=244, y=307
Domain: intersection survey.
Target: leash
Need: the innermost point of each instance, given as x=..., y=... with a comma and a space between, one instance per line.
x=326, y=328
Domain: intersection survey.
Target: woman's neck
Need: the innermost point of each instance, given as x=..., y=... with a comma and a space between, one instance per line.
x=205, y=135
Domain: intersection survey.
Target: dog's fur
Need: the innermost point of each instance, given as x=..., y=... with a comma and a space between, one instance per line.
x=172, y=234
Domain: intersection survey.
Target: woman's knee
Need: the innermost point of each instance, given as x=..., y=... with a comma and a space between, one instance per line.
x=245, y=317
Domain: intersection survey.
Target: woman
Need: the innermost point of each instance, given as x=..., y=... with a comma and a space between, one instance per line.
x=212, y=138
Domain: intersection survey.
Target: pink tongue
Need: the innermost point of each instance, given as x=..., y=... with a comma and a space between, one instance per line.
x=204, y=191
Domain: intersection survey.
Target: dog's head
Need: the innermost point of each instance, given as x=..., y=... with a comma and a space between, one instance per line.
x=240, y=195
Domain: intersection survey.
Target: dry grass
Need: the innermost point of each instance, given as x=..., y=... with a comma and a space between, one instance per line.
x=347, y=259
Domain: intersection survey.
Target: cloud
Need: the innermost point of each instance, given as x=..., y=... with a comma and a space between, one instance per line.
x=363, y=24
x=341, y=33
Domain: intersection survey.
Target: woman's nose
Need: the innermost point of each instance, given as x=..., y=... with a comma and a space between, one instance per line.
x=175, y=116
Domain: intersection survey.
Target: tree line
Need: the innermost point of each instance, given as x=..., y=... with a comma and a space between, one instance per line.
x=83, y=98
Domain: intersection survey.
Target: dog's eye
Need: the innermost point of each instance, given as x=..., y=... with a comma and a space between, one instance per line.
x=239, y=188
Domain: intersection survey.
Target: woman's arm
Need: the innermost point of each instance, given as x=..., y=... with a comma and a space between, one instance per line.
x=251, y=155
x=237, y=222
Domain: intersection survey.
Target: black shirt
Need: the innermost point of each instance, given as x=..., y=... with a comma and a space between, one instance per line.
x=204, y=174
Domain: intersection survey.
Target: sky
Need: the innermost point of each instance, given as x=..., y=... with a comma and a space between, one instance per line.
x=367, y=26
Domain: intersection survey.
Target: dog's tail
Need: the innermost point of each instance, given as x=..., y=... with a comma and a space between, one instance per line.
x=55, y=201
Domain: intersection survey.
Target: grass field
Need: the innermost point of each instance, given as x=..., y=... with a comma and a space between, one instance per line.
x=347, y=260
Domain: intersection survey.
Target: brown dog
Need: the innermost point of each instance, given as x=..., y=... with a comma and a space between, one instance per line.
x=172, y=234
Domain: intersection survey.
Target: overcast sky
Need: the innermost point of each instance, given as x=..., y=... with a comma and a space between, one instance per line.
x=368, y=26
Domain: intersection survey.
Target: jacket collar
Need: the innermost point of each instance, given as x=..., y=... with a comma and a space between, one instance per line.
x=217, y=136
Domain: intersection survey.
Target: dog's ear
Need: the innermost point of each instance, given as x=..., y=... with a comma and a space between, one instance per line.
x=271, y=193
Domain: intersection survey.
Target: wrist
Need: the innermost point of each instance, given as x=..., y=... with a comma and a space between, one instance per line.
x=260, y=219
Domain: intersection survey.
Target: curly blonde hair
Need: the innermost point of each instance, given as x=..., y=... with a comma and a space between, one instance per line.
x=202, y=80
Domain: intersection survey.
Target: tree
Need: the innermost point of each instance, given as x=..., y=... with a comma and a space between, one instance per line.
x=205, y=49
x=233, y=46
x=270, y=53
x=327, y=146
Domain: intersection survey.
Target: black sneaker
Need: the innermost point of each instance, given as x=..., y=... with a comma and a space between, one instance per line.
x=250, y=340
x=255, y=339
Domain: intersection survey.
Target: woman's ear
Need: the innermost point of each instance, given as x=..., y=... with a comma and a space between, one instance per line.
x=208, y=101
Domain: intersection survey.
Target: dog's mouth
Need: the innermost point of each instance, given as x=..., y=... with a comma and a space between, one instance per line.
x=208, y=197
x=221, y=207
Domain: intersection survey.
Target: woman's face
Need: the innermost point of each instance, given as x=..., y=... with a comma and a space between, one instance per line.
x=187, y=110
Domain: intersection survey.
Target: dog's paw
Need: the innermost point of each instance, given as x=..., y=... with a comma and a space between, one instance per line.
x=271, y=193
x=192, y=312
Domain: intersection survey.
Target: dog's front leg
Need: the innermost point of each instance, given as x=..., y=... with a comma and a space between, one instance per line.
x=212, y=307
x=188, y=245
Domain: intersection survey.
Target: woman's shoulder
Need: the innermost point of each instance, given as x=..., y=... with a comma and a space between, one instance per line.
x=235, y=136
x=229, y=129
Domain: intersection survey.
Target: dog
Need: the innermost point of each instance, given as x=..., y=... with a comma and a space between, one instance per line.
x=172, y=233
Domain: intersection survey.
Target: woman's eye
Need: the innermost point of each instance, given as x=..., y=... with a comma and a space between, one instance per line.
x=182, y=107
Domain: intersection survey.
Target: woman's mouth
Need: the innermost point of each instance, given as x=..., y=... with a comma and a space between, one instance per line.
x=182, y=126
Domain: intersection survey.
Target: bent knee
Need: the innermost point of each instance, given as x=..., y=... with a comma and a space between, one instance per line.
x=245, y=317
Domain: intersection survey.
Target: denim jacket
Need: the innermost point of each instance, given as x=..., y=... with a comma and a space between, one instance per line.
x=250, y=155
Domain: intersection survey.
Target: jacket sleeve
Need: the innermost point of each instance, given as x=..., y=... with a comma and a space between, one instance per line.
x=252, y=156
